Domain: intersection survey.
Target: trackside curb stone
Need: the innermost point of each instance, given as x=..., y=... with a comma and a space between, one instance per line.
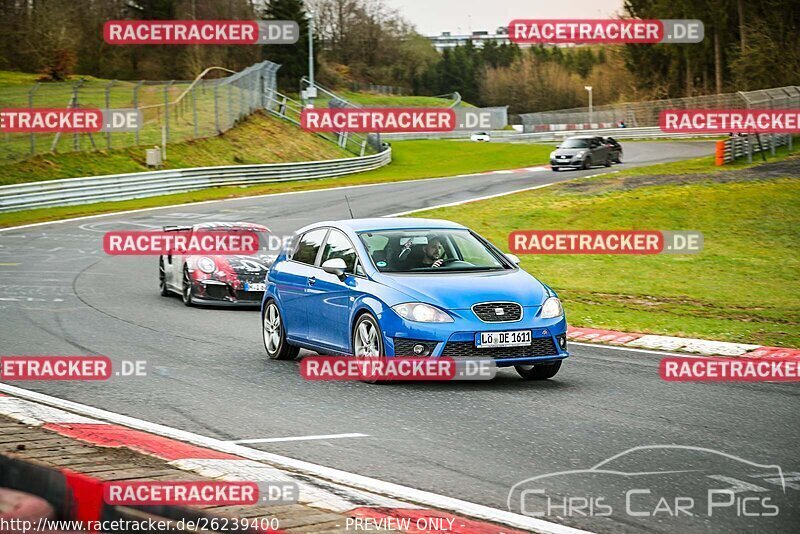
x=703, y=347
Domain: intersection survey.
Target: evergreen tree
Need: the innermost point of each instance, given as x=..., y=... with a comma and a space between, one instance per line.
x=292, y=58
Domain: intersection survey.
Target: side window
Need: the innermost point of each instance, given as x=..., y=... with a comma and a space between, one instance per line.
x=338, y=246
x=308, y=246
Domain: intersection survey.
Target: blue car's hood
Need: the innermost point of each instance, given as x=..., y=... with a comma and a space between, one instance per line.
x=461, y=290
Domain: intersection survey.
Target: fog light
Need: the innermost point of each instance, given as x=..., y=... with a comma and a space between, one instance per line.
x=562, y=341
x=418, y=349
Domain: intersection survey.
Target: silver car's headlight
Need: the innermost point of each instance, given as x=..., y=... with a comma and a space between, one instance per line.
x=580, y=154
x=552, y=155
x=422, y=313
x=552, y=308
x=206, y=265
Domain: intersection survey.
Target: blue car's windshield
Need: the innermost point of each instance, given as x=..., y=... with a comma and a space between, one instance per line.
x=430, y=250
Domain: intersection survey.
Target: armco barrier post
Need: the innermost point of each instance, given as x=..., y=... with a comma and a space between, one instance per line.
x=720, y=153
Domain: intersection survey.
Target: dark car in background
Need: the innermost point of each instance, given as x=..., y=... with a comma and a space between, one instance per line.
x=581, y=152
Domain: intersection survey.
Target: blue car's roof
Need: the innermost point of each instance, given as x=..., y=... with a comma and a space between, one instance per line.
x=388, y=223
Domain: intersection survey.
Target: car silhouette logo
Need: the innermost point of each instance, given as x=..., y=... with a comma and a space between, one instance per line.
x=499, y=311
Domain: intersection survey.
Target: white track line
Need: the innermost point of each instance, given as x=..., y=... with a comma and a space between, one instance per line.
x=300, y=438
x=397, y=491
x=487, y=197
x=172, y=206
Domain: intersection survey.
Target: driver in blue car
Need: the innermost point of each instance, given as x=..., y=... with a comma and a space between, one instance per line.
x=431, y=255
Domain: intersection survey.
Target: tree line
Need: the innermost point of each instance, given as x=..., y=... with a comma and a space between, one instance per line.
x=747, y=45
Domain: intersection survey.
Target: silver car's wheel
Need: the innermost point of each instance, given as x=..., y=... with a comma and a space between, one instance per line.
x=274, y=335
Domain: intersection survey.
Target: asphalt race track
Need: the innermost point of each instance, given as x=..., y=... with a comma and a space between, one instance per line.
x=208, y=373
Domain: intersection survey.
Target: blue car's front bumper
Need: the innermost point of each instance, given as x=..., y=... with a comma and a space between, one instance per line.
x=457, y=339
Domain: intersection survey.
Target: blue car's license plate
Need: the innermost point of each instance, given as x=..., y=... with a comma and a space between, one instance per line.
x=509, y=338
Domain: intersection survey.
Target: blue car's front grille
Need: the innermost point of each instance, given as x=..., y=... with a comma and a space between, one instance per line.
x=498, y=312
x=541, y=346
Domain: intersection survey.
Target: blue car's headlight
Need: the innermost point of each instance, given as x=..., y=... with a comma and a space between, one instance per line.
x=423, y=313
x=552, y=308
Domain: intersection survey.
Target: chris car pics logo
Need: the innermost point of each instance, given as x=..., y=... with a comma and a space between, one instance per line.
x=684, y=484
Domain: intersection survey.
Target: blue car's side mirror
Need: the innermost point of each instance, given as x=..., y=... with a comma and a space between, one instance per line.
x=335, y=266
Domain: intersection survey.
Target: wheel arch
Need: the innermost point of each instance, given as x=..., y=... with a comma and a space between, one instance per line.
x=369, y=305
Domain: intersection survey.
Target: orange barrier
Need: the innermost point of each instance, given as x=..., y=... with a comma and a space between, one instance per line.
x=720, y=153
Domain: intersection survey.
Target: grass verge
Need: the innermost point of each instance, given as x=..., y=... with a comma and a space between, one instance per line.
x=258, y=139
x=411, y=160
x=743, y=287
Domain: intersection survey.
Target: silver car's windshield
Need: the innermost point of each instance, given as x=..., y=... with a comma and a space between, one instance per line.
x=430, y=250
x=575, y=143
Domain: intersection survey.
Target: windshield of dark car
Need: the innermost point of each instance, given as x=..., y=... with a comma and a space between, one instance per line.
x=575, y=143
x=430, y=250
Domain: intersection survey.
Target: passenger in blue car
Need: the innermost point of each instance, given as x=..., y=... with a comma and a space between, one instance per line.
x=430, y=255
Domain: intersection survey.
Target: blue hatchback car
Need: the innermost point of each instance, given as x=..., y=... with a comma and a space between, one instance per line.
x=410, y=287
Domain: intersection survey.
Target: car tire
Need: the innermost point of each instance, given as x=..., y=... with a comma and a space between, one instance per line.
x=608, y=161
x=162, y=277
x=587, y=163
x=273, y=333
x=555, y=169
x=187, y=289
x=538, y=372
x=618, y=159
x=367, y=325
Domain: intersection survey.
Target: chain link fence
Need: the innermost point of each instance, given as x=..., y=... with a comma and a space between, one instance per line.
x=172, y=111
x=645, y=114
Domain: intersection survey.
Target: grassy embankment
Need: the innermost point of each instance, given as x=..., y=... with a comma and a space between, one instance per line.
x=743, y=287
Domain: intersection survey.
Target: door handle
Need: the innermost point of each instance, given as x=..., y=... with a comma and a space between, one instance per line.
x=312, y=280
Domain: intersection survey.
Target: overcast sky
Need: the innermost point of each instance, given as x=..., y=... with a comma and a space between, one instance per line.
x=432, y=17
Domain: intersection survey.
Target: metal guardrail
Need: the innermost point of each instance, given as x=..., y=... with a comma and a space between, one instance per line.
x=555, y=135
x=114, y=187
x=746, y=145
